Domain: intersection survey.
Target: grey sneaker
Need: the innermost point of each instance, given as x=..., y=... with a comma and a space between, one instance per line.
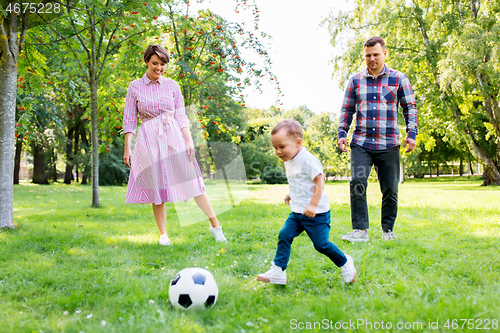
x=357, y=235
x=348, y=270
x=388, y=236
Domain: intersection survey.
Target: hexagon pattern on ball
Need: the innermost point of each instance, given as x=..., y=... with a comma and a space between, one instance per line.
x=193, y=288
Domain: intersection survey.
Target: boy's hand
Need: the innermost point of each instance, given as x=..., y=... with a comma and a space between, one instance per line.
x=287, y=199
x=310, y=210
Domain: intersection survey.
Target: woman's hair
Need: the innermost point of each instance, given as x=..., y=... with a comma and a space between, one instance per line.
x=159, y=50
x=292, y=127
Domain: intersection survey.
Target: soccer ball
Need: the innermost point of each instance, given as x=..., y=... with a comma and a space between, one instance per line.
x=193, y=288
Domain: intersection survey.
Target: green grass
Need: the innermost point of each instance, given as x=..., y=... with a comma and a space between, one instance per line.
x=69, y=267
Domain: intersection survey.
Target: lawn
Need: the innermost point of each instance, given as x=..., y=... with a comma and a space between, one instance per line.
x=71, y=268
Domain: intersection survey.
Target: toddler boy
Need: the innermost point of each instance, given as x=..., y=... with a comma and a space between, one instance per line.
x=308, y=202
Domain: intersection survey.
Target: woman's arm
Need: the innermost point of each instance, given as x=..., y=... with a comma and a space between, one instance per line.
x=189, y=143
x=127, y=154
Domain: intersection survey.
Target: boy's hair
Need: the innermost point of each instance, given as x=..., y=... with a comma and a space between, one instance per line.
x=291, y=126
x=159, y=50
x=372, y=41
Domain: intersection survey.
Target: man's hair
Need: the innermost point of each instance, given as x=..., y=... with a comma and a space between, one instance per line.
x=374, y=40
x=159, y=50
x=292, y=127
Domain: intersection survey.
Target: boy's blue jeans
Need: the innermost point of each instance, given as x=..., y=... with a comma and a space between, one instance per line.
x=317, y=228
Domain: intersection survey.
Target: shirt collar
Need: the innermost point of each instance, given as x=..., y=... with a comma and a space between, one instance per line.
x=384, y=71
x=147, y=80
x=299, y=153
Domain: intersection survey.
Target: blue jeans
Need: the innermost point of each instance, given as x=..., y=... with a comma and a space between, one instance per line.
x=317, y=228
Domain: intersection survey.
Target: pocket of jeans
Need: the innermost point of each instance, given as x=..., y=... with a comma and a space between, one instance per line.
x=389, y=93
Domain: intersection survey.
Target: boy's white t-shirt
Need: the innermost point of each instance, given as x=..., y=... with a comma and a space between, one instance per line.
x=300, y=172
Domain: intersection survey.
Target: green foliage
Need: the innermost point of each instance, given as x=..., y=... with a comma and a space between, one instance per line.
x=320, y=138
x=258, y=156
x=447, y=49
x=112, y=171
x=275, y=176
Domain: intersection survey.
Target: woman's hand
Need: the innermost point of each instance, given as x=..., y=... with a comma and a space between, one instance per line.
x=190, y=150
x=127, y=157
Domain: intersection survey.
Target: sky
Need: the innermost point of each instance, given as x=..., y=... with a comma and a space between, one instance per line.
x=300, y=51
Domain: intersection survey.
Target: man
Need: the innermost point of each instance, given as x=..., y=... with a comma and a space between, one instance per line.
x=374, y=95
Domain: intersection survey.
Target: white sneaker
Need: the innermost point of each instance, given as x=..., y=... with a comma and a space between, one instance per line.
x=164, y=240
x=276, y=275
x=217, y=233
x=357, y=235
x=348, y=270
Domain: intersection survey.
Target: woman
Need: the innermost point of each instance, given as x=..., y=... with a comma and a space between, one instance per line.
x=163, y=167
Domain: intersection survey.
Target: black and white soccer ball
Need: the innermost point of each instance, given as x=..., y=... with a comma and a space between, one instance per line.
x=193, y=288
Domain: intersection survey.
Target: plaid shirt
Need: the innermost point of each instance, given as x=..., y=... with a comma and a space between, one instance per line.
x=375, y=102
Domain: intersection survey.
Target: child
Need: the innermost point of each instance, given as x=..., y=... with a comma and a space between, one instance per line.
x=308, y=202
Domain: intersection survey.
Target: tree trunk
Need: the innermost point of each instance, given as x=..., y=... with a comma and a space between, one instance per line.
x=9, y=45
x=17, y=160
x=76, y=148
x=86, y=146
x=68, y=174
x=54, y=162
x=401, y=172
x=93, y=107
x=437, y=169
x=39, y=176
x=461, y=169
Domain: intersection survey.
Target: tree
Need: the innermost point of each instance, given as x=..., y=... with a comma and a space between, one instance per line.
x=13, y=16
x=446, y=50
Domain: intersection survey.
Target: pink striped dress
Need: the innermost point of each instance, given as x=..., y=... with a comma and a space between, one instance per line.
x=161, y=171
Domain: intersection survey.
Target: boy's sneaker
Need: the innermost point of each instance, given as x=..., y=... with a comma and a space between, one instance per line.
x=388, y=236
x=164, y=240
x=276, y=275
x=348, y=270
x=357, y=235
x=217, y=233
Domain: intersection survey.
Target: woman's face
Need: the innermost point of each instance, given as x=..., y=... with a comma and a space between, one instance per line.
x=156, y=67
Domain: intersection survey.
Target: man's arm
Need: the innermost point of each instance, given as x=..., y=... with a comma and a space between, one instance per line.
x=346, y=114
x=409, y=105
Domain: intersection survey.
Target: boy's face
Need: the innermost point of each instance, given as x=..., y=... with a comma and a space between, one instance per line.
x=286, y=146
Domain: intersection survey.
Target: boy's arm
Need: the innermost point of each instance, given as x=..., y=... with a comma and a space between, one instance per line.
x=319, y=185
x=287, y=199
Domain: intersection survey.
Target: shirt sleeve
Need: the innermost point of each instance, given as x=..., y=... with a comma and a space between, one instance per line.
x=409, y=105
x=348, y=108
x=312, y=167
x=180, y=111
x=130, y=112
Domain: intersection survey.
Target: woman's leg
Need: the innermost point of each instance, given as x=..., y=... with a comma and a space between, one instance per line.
x=204, y=203
x=160, y=217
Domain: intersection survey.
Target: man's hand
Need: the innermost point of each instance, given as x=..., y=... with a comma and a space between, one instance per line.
x=410, y=143
x=287, y=199
x=310, y=210
x=342, y=143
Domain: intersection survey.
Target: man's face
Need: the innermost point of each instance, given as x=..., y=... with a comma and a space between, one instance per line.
x=374, y=58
